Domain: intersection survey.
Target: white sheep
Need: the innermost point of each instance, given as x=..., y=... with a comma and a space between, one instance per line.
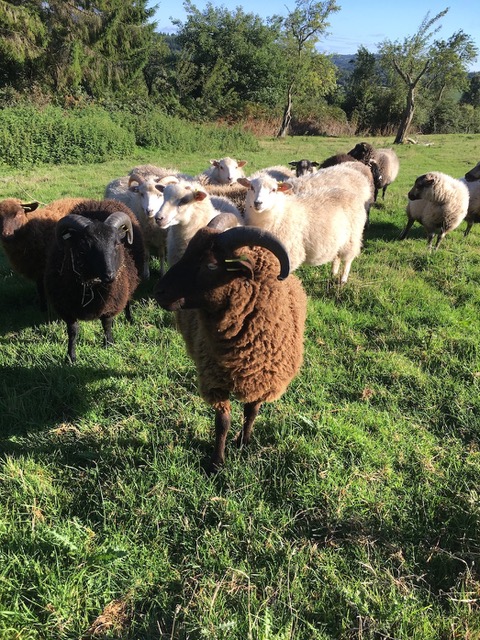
x=472, y=180
x=438, y=202
x=224, y=171
x=186, y=208
x=139, y=191
x=320, y=225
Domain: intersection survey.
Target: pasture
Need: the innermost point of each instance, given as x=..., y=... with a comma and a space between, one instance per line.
x=354, y=513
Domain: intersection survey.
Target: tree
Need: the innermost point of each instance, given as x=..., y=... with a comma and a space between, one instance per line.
x=422, y=65
x=92, y=46
x=302, y=29
x=362, y=89
x=411, y=59
x=227, y=59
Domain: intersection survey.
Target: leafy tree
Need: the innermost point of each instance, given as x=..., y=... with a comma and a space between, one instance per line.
x=361, y=91
x=421, y=64
x=227, y=59
x=302, y=29
x=449, y=60
x=472, y=93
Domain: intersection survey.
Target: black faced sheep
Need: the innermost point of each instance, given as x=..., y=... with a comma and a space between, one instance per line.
x=242, y=322
x=27, y=232
x=439, y=202
x=303, y=167
x=94, y=266
x=386, y=159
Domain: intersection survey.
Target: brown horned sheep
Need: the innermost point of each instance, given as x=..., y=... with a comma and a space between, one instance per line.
x=242, y=322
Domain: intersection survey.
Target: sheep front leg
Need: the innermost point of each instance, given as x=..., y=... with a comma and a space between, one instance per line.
x=223, y=420
x=107, y=323
x=72, y=332
x=250, y=412
x=408, y=226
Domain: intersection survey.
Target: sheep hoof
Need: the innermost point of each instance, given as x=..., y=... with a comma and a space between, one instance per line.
x=214, y=466
x=241, y=440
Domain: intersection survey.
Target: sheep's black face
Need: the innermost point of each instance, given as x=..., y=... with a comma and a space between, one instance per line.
x=98, y=254
x=421, y=184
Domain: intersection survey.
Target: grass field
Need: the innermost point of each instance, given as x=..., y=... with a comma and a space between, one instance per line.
x=355, y=512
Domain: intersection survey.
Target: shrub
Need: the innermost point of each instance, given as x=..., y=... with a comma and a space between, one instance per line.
x=30, y=136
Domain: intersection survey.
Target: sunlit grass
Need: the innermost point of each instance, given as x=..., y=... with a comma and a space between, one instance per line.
x=353, y=514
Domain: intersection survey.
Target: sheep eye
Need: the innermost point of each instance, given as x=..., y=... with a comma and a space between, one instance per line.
x=212, y=266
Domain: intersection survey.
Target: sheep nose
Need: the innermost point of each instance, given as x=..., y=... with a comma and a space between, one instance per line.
x=109, y=277
x=258, y=204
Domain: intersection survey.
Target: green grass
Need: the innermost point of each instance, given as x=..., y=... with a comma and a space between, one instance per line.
x=355, y=512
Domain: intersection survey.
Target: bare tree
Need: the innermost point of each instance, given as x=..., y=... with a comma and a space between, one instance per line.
x=411, y=59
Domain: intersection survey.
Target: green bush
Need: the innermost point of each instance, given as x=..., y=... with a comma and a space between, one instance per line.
x=157, y=130
x=51, y=135
x=30, y=136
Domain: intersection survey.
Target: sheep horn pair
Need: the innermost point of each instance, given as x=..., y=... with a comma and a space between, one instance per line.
x=75, y=222
x=237, y=237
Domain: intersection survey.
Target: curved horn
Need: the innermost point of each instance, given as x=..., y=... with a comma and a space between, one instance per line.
x=120, y=219
x=134, y=177
x=72, y=222
x=224, y=221
x=243, y=236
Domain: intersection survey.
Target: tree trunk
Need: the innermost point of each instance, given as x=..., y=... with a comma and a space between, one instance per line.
x=407, y=116
x=287, y=115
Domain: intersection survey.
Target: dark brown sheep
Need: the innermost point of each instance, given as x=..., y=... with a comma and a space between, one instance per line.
x=27, y=232
x=94, y=266
x=242, y=325
x=386, y=159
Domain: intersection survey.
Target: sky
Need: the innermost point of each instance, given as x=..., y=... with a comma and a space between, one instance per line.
x=359, y=22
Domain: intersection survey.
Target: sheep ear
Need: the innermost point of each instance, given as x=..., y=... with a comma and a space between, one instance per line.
x=133, y=188
x=198, y=195
x=215, y=163
x=30, y=206
x=286, y=187
x=242, y=163
x=315, y=164
x=160, y=187
x=244, y=182
x=293, y=163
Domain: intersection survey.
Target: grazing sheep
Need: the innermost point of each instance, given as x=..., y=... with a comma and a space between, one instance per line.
x=242, y=322
x=27, y=232
x=186, y=208
x=223, y=171
x=439, y=202
x=303, y=167
x=386, y=159
x=94, y=266
x=319, y=225
x=140, y=192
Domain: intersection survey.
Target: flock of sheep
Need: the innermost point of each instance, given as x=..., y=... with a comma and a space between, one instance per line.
x=230, y=243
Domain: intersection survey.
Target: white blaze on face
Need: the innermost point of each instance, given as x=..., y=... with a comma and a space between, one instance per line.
x=178, y=201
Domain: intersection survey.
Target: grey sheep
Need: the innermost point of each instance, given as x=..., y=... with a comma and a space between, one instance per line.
x=94, y=266
x=242, y=322
x=140, y=192
x=386, y=159
x=438, y=202
x=27, y=232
